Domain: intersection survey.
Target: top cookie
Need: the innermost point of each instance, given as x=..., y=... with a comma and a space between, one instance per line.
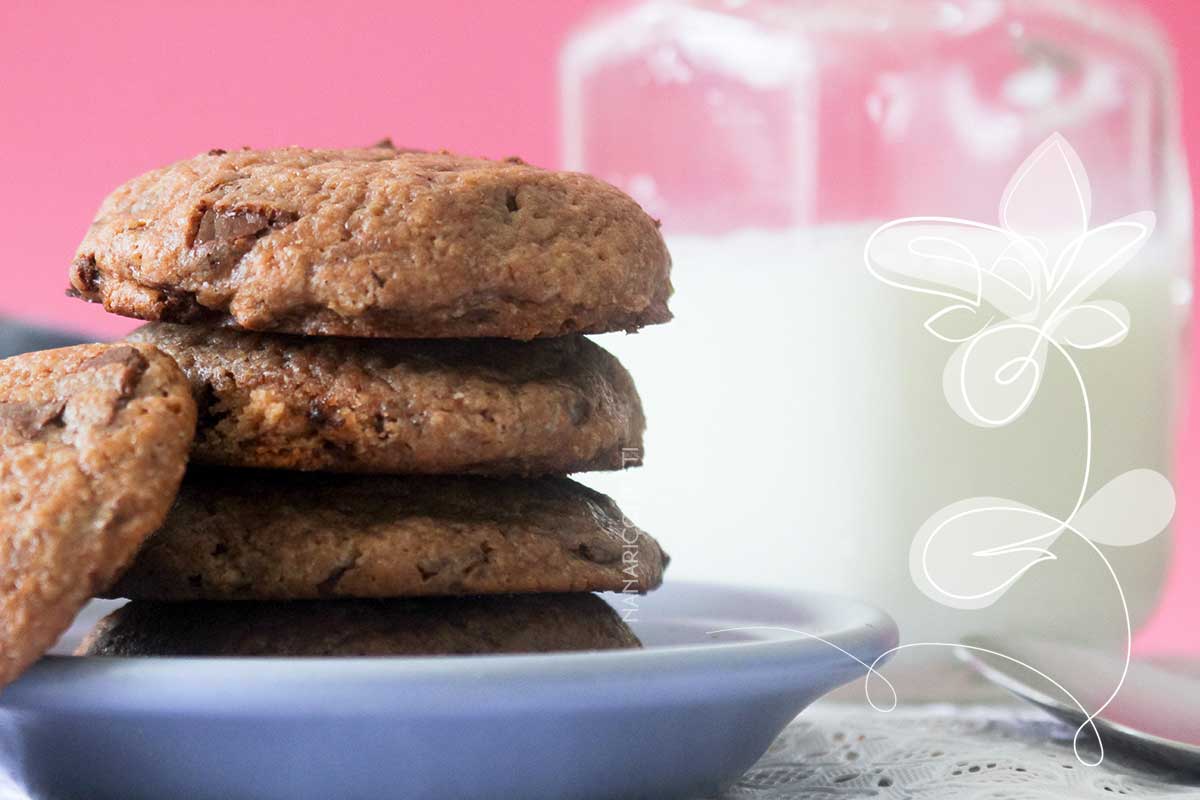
x=375, y=242
x=93, y=444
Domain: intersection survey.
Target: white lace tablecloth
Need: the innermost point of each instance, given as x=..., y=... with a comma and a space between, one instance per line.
x=843, y=750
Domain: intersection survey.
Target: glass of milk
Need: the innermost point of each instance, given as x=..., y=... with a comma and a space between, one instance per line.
x=798, y=433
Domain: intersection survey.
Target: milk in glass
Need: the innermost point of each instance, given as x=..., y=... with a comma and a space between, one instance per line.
x=798, y=431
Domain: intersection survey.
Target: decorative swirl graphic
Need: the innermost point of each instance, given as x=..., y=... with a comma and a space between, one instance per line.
x=1018, y=291
x=1029, y=280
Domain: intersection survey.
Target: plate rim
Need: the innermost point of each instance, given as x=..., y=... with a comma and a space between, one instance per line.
x=249, y=685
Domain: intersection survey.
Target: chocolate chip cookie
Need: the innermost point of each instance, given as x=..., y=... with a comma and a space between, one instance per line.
x=434, y=407
x=375, y=242
x=442, y=626
x=247, y=534
x=93, y=443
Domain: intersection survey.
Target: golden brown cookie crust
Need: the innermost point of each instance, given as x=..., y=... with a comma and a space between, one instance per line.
x=442, y=626
x=491, y=406
x=245, y=534
x=93, y=443
x=375, y=242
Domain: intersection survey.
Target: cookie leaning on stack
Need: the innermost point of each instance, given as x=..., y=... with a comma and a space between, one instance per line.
x=256, y=268
x=93, y=444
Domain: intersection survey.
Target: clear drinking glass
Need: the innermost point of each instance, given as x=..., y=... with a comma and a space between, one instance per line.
x=798, y=431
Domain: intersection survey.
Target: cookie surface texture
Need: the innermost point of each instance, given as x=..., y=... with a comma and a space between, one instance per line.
x=262, y=535
x=490, y=407
x=375, y=242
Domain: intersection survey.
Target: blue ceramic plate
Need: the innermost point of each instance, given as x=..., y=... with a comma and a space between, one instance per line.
x=680, y=718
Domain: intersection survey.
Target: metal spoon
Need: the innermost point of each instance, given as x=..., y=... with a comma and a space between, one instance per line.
x=1155, y=715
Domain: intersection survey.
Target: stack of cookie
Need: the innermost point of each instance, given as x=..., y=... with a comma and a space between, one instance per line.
x=384, y=350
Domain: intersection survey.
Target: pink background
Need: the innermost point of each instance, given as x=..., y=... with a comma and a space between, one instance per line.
x=95, y=93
